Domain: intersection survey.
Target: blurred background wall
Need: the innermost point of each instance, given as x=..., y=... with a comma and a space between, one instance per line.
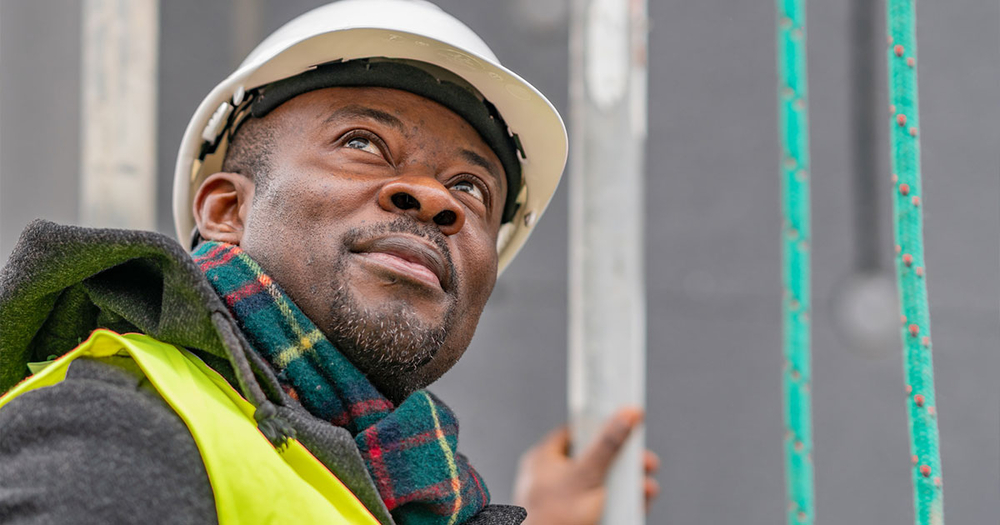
x=713, y=287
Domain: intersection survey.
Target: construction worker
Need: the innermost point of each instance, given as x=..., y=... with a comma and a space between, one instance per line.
x=348, y=197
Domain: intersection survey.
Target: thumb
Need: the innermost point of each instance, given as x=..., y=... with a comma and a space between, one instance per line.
x=595, y=462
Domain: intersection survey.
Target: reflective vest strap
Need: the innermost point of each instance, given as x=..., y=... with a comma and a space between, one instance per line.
x=252, y=481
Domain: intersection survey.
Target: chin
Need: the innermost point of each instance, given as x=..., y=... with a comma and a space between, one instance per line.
x=397, y=343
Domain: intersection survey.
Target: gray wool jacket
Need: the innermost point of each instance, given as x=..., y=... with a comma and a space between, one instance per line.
x=102, y=446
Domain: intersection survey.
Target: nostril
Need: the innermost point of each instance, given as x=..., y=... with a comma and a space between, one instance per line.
x=405, y=201
x=445, y=218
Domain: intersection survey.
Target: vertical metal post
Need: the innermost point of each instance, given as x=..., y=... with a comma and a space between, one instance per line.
x=865, y=129
x=864, y=303
x=118, y=118
x=607, y=310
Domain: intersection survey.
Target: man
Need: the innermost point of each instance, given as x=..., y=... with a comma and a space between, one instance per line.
x=351, y=193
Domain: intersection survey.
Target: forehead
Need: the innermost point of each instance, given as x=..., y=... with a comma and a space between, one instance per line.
x=420, y=120
x=404, y=111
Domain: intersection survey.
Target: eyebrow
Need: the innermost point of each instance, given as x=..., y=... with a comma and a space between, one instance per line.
x=356, y=111
x=483, y=162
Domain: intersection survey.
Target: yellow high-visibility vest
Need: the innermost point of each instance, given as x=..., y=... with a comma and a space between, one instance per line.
x=253, y=482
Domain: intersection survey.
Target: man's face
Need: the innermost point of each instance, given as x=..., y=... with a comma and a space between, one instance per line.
x=379, y=217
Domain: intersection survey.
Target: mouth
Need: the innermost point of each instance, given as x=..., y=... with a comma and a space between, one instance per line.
x=407, y=256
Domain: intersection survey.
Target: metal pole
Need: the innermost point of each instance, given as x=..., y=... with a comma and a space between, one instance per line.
x=118, y=119
x=864, y=303
x=865, y=126
x=607, y=310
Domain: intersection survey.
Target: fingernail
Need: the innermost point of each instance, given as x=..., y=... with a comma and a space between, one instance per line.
x=632, y=416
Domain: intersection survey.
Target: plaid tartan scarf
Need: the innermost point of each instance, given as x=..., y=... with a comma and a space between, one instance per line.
x=410, y=450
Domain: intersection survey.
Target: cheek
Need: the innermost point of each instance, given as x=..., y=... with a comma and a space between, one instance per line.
x=295, y=230
x=478, y=270
x=310, y=202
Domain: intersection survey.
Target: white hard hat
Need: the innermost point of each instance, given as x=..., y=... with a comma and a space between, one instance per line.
x=411, y=32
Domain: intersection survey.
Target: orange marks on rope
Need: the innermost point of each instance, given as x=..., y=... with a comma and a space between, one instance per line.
x=907, y=259
x=919, y=400
x=904, y=189
x=898, y=49
x=914, y=330
x=901, y=119
x=925, y=470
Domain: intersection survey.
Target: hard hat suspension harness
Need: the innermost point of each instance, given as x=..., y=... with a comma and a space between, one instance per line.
x=477, y=111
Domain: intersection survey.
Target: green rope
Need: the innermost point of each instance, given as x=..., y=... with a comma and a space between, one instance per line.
x=796, y=234
x=910, y=269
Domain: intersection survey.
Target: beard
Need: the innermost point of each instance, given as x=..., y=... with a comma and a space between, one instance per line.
x=388, y=343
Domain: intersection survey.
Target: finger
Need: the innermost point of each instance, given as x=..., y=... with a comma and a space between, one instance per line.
x=597, y=459
x=651, y=488
x=556, y=441
x=650, y=462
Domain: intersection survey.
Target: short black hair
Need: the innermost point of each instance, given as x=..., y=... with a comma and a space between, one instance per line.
x=249, y=154
x=250, y=150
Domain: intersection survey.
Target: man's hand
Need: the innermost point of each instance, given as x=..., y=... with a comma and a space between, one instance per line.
x=559, y=490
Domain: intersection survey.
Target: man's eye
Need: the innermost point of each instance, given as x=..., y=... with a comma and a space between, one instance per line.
x=470, y=188
x=363, y=144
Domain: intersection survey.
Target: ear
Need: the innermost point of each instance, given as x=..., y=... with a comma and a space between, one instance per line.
x=221, y=206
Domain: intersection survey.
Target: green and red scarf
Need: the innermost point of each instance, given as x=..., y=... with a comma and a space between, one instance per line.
x=410, y=450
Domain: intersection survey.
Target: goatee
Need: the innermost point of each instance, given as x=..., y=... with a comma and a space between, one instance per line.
x=389, y=344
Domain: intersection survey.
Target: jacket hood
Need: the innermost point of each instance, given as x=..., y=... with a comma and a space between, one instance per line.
x=62, y=282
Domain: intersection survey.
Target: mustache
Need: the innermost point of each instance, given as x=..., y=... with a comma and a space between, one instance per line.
x=409, y=226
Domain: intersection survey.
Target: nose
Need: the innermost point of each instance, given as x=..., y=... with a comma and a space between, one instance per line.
x=424, y=199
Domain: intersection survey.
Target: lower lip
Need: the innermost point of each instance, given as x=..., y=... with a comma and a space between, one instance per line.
x=414, y=270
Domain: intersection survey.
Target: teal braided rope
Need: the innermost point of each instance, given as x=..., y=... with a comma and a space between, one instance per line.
x=796, y=234
x=910, y=269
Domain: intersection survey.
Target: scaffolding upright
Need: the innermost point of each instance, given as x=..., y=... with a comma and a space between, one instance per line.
x=118, y=117
x=607, y=310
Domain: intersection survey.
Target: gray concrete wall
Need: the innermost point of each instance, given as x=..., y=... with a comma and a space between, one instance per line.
x=713, y=286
